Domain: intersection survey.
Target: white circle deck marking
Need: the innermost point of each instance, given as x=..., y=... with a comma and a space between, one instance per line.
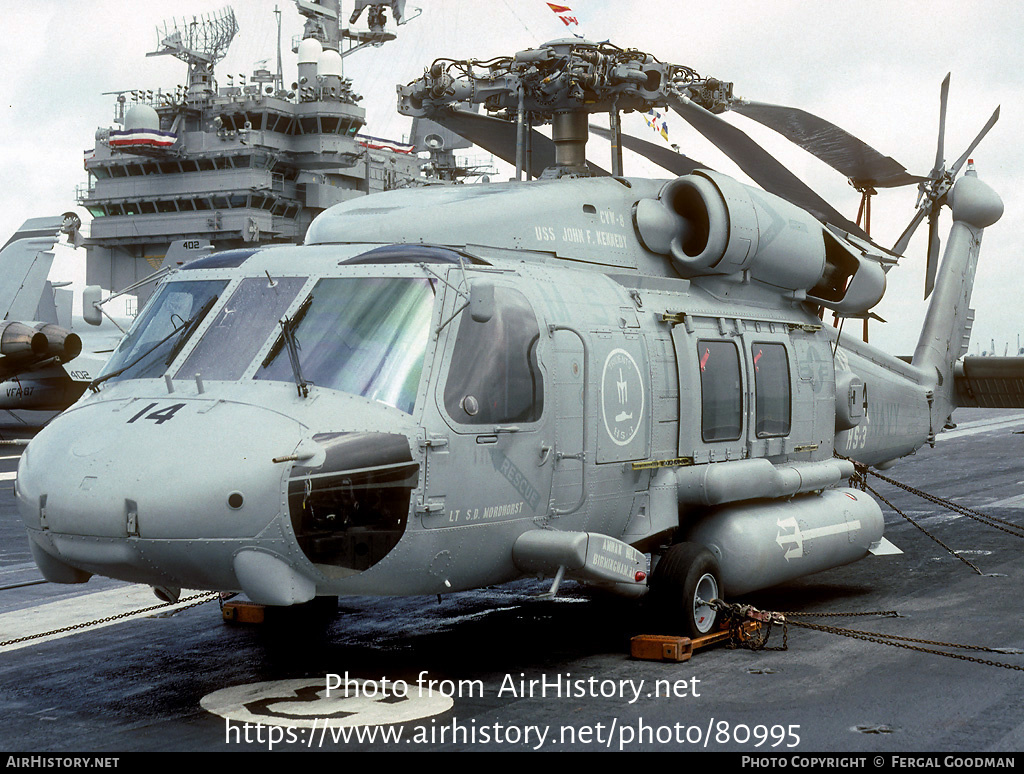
x=303, y=703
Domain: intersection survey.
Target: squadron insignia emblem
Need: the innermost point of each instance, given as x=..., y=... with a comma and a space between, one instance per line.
x=622, y=397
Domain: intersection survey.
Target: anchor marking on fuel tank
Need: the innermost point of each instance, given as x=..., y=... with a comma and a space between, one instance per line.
x=798, y=536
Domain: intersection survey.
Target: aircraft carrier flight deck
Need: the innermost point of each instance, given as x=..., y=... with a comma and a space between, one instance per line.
x=501, y=669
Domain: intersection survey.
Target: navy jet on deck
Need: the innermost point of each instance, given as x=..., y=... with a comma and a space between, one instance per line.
x=41, y=362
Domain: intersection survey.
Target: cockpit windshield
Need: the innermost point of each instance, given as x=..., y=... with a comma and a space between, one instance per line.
x=159, y=334
x=241, y=327
x=362, y=335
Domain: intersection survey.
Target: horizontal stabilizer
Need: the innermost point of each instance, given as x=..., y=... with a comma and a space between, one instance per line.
x=38, y=227
x=990, y=382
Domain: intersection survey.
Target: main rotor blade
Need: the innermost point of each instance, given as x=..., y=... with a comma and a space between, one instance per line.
x=499, y=137
x=941, y=145
x=970, y=149
x=853, y=157
x=761, y=166
x=666, y=158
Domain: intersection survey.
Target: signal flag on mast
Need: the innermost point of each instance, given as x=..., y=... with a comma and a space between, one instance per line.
x=562, y=12
x=655, y=120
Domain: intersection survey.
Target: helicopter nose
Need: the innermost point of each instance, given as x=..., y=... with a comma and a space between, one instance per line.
x=195, y=475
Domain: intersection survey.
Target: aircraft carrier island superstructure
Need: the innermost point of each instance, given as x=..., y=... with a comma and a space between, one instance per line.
x=222, y=167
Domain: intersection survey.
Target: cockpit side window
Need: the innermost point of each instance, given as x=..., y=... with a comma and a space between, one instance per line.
x=494, y=376
x=161, y=332
x=241, y=327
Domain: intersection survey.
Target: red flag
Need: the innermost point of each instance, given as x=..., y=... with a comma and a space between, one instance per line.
x=561, y=11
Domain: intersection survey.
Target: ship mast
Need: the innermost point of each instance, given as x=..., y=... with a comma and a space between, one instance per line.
x=200, y=43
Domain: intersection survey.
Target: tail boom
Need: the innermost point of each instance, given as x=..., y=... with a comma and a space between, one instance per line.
x=975, y=206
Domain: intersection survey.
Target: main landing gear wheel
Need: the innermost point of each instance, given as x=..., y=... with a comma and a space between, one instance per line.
x=683, y=584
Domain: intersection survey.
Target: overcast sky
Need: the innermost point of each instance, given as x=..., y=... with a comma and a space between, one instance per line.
x=872, y=67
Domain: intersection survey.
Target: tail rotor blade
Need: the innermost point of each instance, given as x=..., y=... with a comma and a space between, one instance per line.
x=943, y=100
x=901, y=244
x=970, y=149
x=932, y=195
x=934, y=243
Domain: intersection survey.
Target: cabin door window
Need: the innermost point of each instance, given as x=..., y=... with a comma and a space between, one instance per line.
x=772, y=397
x=721, y=390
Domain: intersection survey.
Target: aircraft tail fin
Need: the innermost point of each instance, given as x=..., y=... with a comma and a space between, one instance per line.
x=25, y=262
x=184, y=251
x=46, y=311
x=947, y=325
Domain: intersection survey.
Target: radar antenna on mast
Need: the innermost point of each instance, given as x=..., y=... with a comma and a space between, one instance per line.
x=200, y=43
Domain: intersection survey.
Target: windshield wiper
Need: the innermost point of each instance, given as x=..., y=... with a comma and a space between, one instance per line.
x=188, y=329
x=189, y=325
x=294, y=322
x=288, y=334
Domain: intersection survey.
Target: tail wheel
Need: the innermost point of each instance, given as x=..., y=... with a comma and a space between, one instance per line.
x=683, y=585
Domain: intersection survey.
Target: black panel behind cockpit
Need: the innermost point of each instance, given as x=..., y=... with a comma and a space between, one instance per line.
x=352, y=510
x=414, y=253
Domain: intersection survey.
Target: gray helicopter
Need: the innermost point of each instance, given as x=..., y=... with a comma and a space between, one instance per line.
x=624, y=382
